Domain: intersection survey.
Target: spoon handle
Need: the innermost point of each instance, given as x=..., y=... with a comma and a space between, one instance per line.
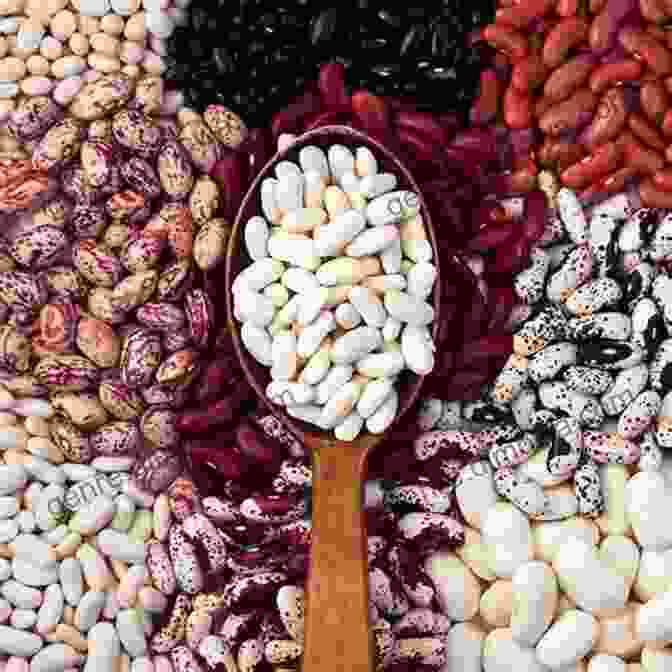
x=337, y=610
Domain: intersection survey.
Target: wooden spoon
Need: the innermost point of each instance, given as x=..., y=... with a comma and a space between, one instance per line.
x=338, y=636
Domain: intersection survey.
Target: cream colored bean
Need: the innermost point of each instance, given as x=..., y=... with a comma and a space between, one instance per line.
x=617, y=635
x=496, y=604
x=23, y=54
x=105, y=44
x=4, y=46
x=474, y=554
x=12, y=69
x=615, y=519
x=131, y=52
x=104, y=64
x=88, y=25
x=63, y=25
x=79, y=44
x=68, y=66
x=131, y=70
x=51, y=48
x=37, y=426
x=38, y=66
x=112, y=24
x=153, y=63
x=7, y=419
x=10, y=7
x=135, y=28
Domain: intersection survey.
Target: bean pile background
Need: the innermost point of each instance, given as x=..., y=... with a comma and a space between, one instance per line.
x=546, y=417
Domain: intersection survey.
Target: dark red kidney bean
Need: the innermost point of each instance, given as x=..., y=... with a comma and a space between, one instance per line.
x=290, y=119
x=522, y=142
x=461, y=382
x=474, y=319
x=482, y=142
x=259, y=145
x=217, y=414
x=534, y=218
x=485, y=107
x=371, y=112
x=216, y=376
x=331, y=83
x=424, y=124
x=227, y=461
x=325, y=119
x=232, y=174
x=483, y=349
x=254, y=445
x=421, y=147
x=510, y=258
x=500, y=302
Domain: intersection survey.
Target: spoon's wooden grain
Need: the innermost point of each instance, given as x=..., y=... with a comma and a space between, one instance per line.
x=338, y=637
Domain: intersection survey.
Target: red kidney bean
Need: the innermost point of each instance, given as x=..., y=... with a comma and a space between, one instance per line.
x=528, y=75
x=610, y=118
x=605, y=26
x=523, y=13
x=663, y=179
x=653, y=11
x=569, y=114
x=509, y=41
x=559, y=154
x=290, y=118
x=653, y=197
x=331, y=84
x=569, y=77
x=484, y=109
x=654, y=101
x=666, y=127
x=604, y=160
x=611, y=74
x=517, y=109
x=645, y=131
x=569, y=33
x=640, y=44
x=371, y=112
x=567, y=8
x=613, y=183
x=596, y=6
x=647, y=160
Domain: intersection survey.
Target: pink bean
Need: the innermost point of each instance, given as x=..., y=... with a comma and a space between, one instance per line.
x=331, y=83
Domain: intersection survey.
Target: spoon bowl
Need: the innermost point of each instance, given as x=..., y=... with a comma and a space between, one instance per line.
x=337, y=628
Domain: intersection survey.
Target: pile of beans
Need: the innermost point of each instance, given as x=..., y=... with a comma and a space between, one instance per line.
x=386, y=50
x=54, y=47
x=357, y=253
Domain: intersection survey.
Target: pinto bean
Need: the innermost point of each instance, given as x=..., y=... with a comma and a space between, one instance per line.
x=568, y=34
